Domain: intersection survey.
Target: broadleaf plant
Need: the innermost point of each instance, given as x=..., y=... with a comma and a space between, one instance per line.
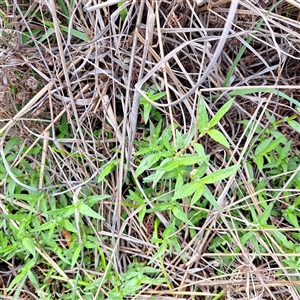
x=184, y=168
x=206, y=127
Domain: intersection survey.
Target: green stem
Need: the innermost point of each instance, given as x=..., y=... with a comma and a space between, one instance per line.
x=155, y=234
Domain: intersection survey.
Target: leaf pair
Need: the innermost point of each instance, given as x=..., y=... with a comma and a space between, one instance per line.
x=206, y=127
x=197, y=187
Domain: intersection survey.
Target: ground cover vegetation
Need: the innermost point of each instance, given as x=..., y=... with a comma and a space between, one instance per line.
x=149, y=149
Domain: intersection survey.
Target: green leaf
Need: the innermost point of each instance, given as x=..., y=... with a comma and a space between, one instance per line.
x=187, y=190
x=179, y=183
x=11, y=144
x=179, y=214
x=264, y=89
x=187, y=138
x=262, y=146
x=291, y=263
x=91, y=200
x=160, y=207
x=135, y=197
x=26, y=36
x=199, y=149
x=63, y=126
x=166, y=160
x=297, y=202
x=244, y=239
x=167, y=135
x=179, y=140
x=75, y=256
x=141, y=215
x=219, y=175
x=210, y=197
x=33, y=279
x=106, y=170
x=295, y=125
x=154, y=97
x=259, y=160
x=154, y=177
x=87, y=211
x=272, y=146
x=82, y=36
x=266, y=214
x=64, y=9
x=58, y=252
x=29, y=245
x=27, y=197
x=170, y=230
x=202, y=117
x=32, y=172
x=291, y=216
x=45, y=226
x=186, y=161
x=219, y=137
x=169, y=166
x=146, y=111
x=201, y=170
x=115, y=294
x=221, y=112
x=47, y=34
x=148, y=280
x=160, y=252
x=173, y=241
x=147, y=106
x=63, y=212
x=69, y=226
x=285, y=150
x=23, y=274
x=157, y=129
x=198, y=194
x=90, y=245
x=63, y=28
x=20, y=278
x=146, y=163
x=150, y=270
x=281, y=239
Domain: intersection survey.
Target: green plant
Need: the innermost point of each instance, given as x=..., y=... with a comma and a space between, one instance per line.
x=34, y=222
x=185, y=169
x=65, y=29
x=132, y=280
x=147, y=107
x=272, y=157
x=123, y=12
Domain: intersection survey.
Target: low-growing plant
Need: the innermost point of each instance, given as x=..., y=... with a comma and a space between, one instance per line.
x=185, y=169
x=136, y=276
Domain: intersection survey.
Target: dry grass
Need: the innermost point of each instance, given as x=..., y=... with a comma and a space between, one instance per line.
x=186, y=50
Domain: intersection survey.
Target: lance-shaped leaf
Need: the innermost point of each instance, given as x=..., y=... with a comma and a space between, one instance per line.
x=146, y=163
x=179, y=214
x=219, y=175
x=219, y=137
x=295, y=125
x=202, y=117
x=187, y=190
x=87, y=211
x=210, y=197
x=198, y=194
x=262, y=146
x=221, y=112
x=186, y=161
